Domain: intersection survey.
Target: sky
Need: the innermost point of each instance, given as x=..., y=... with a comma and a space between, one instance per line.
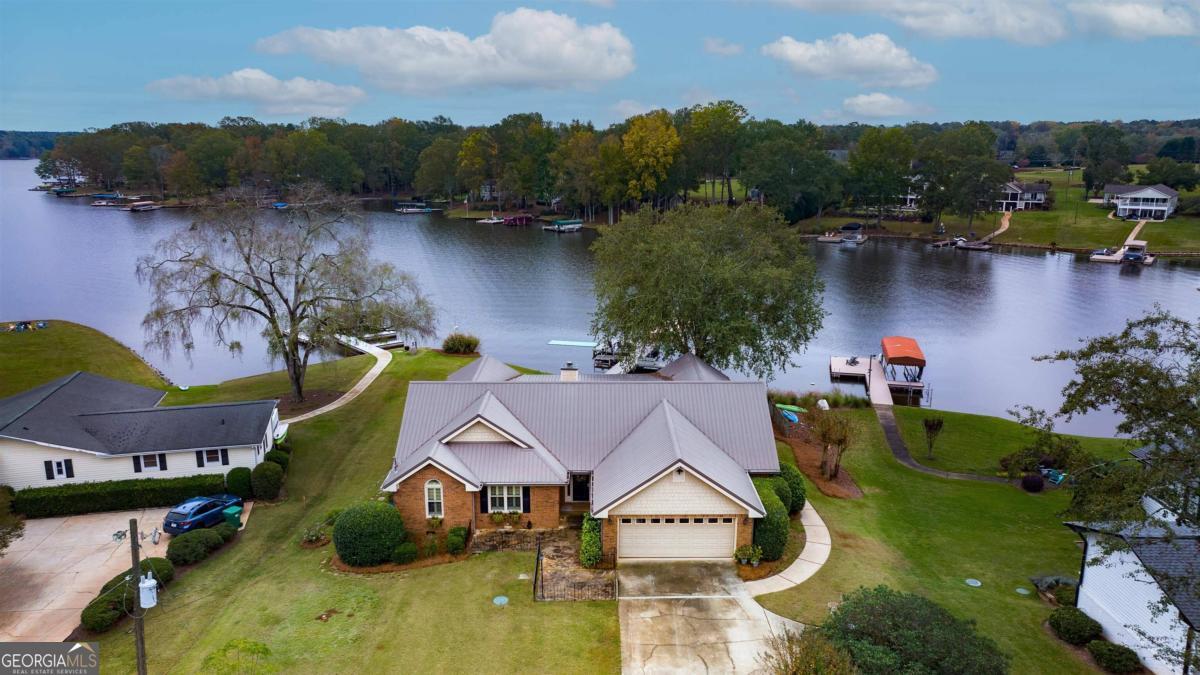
x=77, y=65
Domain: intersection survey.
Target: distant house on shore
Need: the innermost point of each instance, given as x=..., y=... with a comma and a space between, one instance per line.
x=85, y=428
x=1144, y=202
x=1018, y=196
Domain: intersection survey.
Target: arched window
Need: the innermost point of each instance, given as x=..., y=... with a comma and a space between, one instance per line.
x=433, y=499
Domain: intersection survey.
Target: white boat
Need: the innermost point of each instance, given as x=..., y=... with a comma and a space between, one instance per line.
x=105, y=202
x=491, y=220
x=143, y=206
x=414, y=207
x=857, y=239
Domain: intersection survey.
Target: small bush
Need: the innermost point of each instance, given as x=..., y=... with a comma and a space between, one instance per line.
x=100, y=615
x=809, y=652
x=456, y=543
x=1064, y=595
x=1113, y=657
x=1073, y=626
x=368, y=533
x=1033, y=482
x=771, y=532
x=279, y=457
x=459, y=531
x=405, y=553
x=795, y=481
x=187, y=549
x=431, y=547
x=210, y=538
x=460, y=343
x=226, y=531
x=591, y=549
x=117, y=495
x=266, y=480
x=782, y=490
x=332, y=516
x=237, y=482
x=161, y=568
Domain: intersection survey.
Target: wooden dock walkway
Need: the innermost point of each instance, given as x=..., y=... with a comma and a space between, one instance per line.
x=870, y=370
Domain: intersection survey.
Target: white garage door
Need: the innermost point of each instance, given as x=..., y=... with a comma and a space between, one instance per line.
x=680, y=537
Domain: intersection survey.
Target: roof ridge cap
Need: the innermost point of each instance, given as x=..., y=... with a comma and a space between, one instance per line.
x=190, y=406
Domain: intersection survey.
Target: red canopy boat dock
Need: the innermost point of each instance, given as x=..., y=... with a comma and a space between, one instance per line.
x=897, y=368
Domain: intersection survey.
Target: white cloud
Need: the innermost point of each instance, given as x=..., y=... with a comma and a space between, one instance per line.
x=880, y=105
x=1024, y=21
x=872, y=60
x=721, y=47
x=524, y=48
x=269, y=94
x=1135, y=20
x=626, y=108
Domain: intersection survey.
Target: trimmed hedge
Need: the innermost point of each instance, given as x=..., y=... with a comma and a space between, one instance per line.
x=591, y=549
x=1073, y=626
x=117, y=495
x=405, y=553
x=456, y=540
x=237, y=482
x=782, y=490
x=460, y=343
x=266, y=480
x=771, y=532
x=368, y=533
x=795, y=481
x=226, y=531
x=1113, y=657
x=113, y=602
x=190, y=548
x=279, y=457
x=100, y=615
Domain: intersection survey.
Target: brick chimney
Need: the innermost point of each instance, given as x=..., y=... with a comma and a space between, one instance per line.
x=568, y=373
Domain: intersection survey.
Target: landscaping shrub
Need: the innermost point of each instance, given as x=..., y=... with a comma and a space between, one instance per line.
x=771, y=532
x=190, y=548
x=227, y=531
x=1113, y=657
x=368, y=533
x=886, y=631
x=100, y=615
x=237, y=482
x=117, y=495
x=591, y=549
x=279, y=457
x=405, y=553
x=266, y=479
x=456, y=542
x=460, y=343
x=1064, y=595
x=211, y=539
x=783, y=491
x=809, y=652
x=162, y=569
x=795, y=481
x=1073, y=626
x=1033, y=482
x=459, y=531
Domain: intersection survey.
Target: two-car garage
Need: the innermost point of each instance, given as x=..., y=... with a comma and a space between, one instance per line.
x=676, y=537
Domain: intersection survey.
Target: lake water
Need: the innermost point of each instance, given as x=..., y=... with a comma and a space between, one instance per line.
x=979, y=317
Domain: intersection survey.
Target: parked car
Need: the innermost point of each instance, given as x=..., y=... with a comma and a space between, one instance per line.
x=198, y=512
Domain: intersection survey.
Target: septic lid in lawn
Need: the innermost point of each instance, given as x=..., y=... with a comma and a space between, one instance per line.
x=522, y=576
x=1023, y=591
x=974, y=583
x=500, y=600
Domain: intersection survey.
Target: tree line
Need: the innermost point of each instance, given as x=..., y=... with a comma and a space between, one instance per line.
x=658, y=158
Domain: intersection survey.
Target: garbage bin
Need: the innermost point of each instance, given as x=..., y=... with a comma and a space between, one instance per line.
x=233, y=516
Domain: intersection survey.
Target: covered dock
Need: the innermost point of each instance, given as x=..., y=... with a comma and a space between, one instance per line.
x=897, y=368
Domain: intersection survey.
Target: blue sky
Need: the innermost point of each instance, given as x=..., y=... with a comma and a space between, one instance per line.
x=77, y=65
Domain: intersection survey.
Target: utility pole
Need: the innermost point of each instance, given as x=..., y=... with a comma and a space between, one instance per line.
x=139, y=631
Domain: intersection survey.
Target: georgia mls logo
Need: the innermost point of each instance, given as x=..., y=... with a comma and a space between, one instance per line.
x=49, y=658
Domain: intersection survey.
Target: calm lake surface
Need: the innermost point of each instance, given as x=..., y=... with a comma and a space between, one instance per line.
x=979, y=317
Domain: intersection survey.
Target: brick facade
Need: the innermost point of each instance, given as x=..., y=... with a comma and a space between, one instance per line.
x=458, y=505
x=545, y=508
x=608, y=528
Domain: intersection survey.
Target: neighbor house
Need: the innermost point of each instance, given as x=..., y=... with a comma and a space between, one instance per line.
x=1018, y=196
x=1144, y=202
x=663, y=460
x=85, y=428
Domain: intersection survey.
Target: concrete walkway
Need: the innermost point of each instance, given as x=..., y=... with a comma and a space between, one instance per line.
x=382, y=358
x=891, y=431
x=817, y=545
x=1000, y=230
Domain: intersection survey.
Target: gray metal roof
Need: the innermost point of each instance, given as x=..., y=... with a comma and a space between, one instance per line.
x=661, y=440
x=690, y=367
x=591, y=377
x=484, y=369
x=498, y=463
x=1122, y=189
x=97, y=414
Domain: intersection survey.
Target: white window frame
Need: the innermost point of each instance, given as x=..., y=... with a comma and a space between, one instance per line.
x=501, y=498
x=60, y=468
x=208, y=459
x=440, y=501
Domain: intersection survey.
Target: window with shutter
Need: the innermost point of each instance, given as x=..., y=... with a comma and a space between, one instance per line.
x=49, y=466
x=162, y=461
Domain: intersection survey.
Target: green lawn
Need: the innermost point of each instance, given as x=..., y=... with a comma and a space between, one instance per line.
x=702, y=192
x=335, y=375
x=924, y=534
x=35, y=357
x=265, y=588
x=975, y=443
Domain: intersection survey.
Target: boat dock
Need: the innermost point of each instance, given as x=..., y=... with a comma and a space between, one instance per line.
x=901, y=354
x=1130, y=241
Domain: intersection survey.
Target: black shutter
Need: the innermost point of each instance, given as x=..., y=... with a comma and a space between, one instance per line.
x=162, y=461
x=524, y=499
x=483, y=497
x=225, y=456
x=69, y=467
x=200, y=458
x=49, y=469
x=137, y=464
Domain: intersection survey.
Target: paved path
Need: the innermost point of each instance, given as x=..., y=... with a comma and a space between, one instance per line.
x=817, y=545
x=382, y=358
x=1001, y=230
x=891, y=432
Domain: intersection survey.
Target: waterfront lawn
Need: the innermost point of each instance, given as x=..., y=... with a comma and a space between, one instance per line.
x=336, y=375
x=702, y=192
x=924, y=534
x=267, y=589
x=36, y=357
x=975, y=443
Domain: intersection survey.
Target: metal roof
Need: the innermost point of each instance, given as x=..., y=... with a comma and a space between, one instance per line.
x=690, y=367
x=661, y=440
x=590, y=377
x=1122, y=189
x=484, y=369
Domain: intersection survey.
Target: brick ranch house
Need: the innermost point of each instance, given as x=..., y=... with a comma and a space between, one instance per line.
x=664, y=461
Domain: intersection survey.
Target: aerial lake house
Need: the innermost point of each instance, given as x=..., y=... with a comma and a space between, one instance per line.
x=1144, y=202
x=1018, y=196
x=87, y=428
x=663, y=460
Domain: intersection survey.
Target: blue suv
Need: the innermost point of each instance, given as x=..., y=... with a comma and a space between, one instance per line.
x=198, y=512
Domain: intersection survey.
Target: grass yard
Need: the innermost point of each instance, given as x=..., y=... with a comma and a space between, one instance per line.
x=702, y=192
x=335, y=375
x=36, y=357
x=975, y=443
x=267, y=589
x=923, y=534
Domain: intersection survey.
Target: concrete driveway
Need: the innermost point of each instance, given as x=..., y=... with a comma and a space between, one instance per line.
x=58, y=565
x=691, y=617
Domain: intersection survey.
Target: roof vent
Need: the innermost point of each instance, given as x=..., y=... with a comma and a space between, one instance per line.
x=568, y=373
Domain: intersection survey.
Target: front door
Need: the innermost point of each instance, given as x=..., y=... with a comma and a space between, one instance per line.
x=581, y=487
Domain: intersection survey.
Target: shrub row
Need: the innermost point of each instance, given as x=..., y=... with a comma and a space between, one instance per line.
x=190, y=548
x=368, y=533
x=117, y=495
x=1073, y=626
x=116, y=595
x=795, y=481
x=771, y=532
x=591, y=548
x=460, y=343
x=1113, y=657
